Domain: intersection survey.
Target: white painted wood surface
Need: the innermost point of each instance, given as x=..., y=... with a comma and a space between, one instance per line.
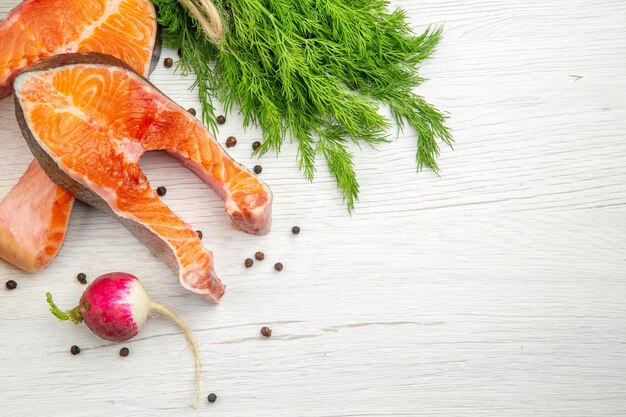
x=498, y=289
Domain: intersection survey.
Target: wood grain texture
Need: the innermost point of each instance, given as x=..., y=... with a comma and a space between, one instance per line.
x=498, y=289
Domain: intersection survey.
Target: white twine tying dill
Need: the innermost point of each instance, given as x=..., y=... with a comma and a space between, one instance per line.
x=208, y=17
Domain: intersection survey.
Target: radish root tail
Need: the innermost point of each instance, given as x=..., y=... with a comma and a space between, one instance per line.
x=160, y=308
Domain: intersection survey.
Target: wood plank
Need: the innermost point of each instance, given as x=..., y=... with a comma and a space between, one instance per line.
x=495, y=290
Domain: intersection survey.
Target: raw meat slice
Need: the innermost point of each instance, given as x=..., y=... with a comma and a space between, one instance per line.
x=88, y=118
x=37, y=29
x=29, y=235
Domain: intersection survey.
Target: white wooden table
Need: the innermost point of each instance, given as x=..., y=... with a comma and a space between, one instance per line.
x=498, y=289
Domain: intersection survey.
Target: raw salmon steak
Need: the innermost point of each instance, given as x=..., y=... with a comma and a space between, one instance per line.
x=38, y=29
x=29, y=235
x=35, y=30
x=88, y=118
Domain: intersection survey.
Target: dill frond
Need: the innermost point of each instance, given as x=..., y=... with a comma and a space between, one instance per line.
x=313, y=71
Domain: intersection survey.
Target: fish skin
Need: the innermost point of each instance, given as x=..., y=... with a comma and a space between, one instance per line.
x=131, y=112
x=34, y=255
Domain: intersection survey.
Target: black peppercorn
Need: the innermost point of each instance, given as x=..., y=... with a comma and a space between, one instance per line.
x=179, y=53
x=75, y=350
x=168, y=62
x=295, y=230
x=256, y=145
x=221, y=120
x=82, y=278
x=212, y=397
x=249, y=262
x=11, y=285
x=231, y=141
x=161, y=191
x=266, y=331
x=192, y=111
x=124, y=352
x=258, y=169
x=278, y=266
x=259, y=256
x=199, y=232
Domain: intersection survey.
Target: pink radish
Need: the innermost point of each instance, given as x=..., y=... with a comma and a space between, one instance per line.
x=115, y=306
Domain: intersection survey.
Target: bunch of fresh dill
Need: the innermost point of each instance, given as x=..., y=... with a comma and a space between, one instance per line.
x=315, y=71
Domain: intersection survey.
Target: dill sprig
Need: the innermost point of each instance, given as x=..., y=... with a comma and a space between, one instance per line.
x=315, y=71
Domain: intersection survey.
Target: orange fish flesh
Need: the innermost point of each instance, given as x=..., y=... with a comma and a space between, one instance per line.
x=37, y=29
x=88, y=118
